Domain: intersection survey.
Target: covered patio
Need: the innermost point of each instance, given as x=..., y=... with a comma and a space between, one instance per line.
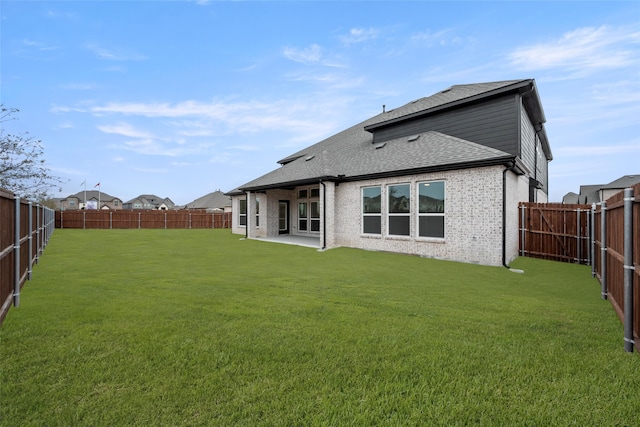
x=289, y=239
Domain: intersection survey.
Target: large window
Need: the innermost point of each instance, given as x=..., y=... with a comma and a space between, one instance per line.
x=302, y=216
x=431, y=209
x=242, y=213
x=372, y=210
x=309, y=210
x=315, y=215
x=399, y=215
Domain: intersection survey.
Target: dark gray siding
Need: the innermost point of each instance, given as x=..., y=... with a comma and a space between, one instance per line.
x=542, y=168
x=528, y=143
x=493, y=123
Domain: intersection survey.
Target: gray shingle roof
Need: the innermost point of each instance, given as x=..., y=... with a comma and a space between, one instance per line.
x=623, y=182
x=215, y=200
x=351, y=155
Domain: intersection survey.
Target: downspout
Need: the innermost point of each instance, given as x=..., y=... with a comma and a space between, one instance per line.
x=324, y=215
x=504, y=213
x=246, y=221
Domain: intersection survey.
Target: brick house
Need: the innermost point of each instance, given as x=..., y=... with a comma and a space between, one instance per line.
x=438, y=177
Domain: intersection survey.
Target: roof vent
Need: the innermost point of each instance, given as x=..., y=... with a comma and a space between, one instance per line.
x=309, y=158
x=380, y=145
x=413, y=138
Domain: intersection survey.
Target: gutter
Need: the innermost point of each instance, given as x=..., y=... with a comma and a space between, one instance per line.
x=511, y=166
x=324, y=215
x=246, y=226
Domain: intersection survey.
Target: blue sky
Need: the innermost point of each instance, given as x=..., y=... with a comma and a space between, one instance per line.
x=182, y=98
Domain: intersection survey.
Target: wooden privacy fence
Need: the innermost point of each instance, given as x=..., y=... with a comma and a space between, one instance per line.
x=616, y=245
x=555, y=231
x=142, y=219
x=605, y=236
x=25, y=230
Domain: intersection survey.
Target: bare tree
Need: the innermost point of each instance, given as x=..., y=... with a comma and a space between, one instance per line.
x=22, y=166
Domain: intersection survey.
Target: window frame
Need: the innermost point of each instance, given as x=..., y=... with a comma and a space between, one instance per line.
x=242, y=212
x=435, y=213
x=391, y=215
x=367, y=214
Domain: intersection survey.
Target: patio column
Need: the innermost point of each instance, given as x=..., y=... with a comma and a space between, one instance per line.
x=328, y=209
x=251, y=215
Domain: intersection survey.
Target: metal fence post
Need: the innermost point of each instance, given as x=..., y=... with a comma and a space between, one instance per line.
x=16, y=256
x=628, y=270
x=30, y=240
x=40, y=220
x=522, y=230
x=593, y=240
x=603, y=249
x=578, y=237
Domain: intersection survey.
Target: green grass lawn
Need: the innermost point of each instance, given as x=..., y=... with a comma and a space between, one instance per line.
x=199, y=327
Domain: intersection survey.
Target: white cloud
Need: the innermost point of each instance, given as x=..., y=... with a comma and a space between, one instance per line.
x=38, y=45
x=430, y=38
x=582, y=50
x=113, y=54
x=124, y=129
x=360, y=35
x=311, y=54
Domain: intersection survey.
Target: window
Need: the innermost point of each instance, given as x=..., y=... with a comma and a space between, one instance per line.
x=302, y=216
x=309, y=210
x=257, y=213
x=371, y=210
x=315, y=216
x=431, y=209
x=399, y=210
x=242, y=213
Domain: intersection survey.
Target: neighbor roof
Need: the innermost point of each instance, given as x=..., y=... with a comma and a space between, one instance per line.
x=622, y=182
x=214, y=200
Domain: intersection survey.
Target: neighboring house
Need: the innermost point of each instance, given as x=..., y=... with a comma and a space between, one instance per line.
x=597, y=193
x=149, y=201
x=216, y=201
x=438, y=177
x=90, y=200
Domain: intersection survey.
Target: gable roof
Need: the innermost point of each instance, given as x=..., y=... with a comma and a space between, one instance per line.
x=151, y=199
x=351, y=154
x=622, y=182
x=215, y=200
x=92, y=194
x=454, y=96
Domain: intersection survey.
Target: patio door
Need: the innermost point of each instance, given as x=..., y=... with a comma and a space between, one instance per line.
x=283, y=217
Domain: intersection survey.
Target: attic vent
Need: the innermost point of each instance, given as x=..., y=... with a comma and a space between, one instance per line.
x=309, y=158
x=413, y=138
x=380, y=145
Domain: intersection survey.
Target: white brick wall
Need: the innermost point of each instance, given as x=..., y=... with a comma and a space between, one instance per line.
x=473, y=216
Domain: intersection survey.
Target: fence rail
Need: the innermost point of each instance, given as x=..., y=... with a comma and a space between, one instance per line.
x=25, y=230
x=605, y=236
x=112, y=219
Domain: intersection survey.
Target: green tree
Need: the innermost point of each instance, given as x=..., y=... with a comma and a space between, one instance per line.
x=23, y=170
